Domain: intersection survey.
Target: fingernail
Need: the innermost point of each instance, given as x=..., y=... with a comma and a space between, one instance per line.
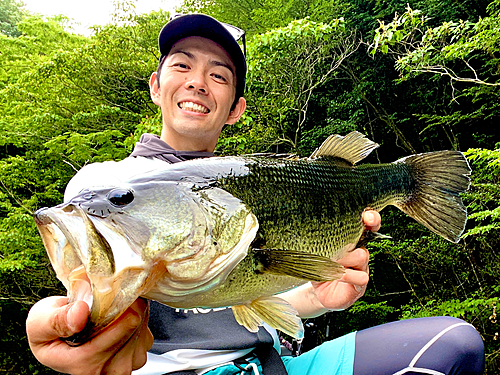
x=369, y=217
x=70, y=316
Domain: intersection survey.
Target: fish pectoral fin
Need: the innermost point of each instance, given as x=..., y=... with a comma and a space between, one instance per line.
x=298, y=264
x=369, y=236
x=272, y=310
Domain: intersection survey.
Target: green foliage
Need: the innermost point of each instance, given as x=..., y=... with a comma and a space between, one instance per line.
x=38, y=39
x=242, y=137
x=445, y=49
x=258, y=17
x=361, y=315
x=469, y=309
x=286, y=67
x=78, y=149
x=148, y=124
x=11, y=13
x=484, y=206
x=67, y=100
x=459, y=53
x=483, y=199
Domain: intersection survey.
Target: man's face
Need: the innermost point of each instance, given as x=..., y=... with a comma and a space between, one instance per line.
x=196, y=91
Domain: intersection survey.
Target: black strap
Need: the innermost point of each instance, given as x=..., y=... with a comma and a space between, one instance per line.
x=181, y=373
x=270, y=360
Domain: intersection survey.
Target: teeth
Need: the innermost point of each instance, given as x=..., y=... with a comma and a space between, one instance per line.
x=190, y=106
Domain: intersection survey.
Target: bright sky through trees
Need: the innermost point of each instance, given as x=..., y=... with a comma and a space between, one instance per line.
x=92, y=12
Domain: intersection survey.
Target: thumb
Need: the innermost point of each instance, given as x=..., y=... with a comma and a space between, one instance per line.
x=372, y=220
x=76, y=317
x=52, y=318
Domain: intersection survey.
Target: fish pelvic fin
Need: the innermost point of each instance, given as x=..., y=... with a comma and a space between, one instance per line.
x=298, y=264
x=440, y=178
x=353, y=147
x=272, y=310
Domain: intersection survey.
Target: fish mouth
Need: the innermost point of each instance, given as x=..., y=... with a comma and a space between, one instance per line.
x=80, y=253
x=62, y=248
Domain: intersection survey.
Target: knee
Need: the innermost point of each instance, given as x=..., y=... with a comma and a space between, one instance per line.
x=465, y=344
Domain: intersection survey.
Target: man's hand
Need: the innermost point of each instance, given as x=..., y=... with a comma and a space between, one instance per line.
x=316, y=298
x=118, y=349
x=342, y=293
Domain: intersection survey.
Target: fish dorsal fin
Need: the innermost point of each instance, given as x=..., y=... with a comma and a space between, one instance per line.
x=353, y=147
x=274, y=311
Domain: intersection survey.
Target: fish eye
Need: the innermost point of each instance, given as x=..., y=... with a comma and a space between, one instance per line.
x=120, y=197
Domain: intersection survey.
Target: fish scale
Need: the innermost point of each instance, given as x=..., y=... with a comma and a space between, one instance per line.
x=319, y=211
x=320, y=223
x=237, y=231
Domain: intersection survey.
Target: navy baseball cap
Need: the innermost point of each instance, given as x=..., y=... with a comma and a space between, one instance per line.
x=225, y=35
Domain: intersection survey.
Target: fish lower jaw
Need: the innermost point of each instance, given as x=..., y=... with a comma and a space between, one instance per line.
x=80, y=286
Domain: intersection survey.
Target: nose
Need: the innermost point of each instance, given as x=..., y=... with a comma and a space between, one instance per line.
x=196, y=82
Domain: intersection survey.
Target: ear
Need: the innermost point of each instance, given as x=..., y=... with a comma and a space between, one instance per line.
x=154, y=89
x=238, y=110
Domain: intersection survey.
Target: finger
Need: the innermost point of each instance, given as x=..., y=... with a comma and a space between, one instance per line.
x=77, y=317
x=51, y=318
x=359, y=279
x=357, y=259
x=372, y=220
x=122, y=353
x=113, y=337
x=121, y=362
x=144, y=343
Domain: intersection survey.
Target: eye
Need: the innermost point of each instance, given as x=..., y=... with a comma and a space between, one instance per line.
x=181, y=65
x=219, y=77
x=120, y=197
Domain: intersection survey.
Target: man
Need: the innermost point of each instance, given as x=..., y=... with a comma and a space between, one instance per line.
x=199, y=87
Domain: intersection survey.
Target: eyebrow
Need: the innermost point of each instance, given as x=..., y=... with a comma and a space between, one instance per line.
x=212, y=62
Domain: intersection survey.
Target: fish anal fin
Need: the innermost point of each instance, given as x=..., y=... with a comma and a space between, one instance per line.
x=298, y=264
x=274, y=311
x=353, y=147
x=246, y=317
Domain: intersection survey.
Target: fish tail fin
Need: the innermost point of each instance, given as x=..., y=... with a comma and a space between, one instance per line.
x=440, y=177
x=272, y=310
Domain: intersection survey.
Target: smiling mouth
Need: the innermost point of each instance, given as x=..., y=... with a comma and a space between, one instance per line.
x=193, y=107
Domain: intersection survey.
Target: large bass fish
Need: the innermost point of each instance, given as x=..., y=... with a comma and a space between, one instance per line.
x=235, y=231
